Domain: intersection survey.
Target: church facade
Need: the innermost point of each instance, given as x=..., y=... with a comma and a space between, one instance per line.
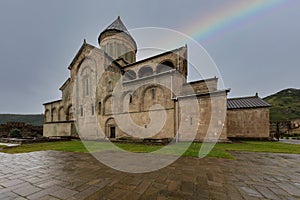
x=110, y=95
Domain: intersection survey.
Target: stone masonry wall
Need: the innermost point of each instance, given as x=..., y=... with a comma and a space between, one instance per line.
x=248, y=123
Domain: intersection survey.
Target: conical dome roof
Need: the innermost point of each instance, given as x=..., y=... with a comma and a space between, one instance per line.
x=118, y=26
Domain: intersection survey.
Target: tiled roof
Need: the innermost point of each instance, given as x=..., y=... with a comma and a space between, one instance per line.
x=117, y=25
x=246, y=102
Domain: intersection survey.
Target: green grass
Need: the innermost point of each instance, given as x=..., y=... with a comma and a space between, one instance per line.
x=220, y=150
x=285, y=105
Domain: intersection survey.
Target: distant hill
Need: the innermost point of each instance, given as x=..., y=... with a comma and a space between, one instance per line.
x=285, y=104
x=36, y=120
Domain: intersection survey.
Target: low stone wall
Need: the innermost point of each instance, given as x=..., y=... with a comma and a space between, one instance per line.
x=32, y=140
x=59, y=129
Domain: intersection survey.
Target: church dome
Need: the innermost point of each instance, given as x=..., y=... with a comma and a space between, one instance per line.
x=116, y=41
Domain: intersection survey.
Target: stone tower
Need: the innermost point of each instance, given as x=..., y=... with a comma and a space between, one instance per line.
x=116, y=41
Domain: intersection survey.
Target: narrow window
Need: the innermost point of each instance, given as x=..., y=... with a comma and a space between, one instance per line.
x=130, y=98
x=87, y=87
x=153, y=93
x=99, y=108
x=191, y=120
x=81, y=110
x=93, y=109
x=109, y=87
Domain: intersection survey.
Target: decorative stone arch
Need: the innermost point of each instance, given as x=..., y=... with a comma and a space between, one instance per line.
x=130, y=92
x=54, y=115
x=86, y=78
x=47, y=116
x=85, y=68
x=107, y=109
x=85, y=62
x=145, y=71
x=164, y=66
x=154, y=88
x=129, y=75
x=110, y=128
x=69, y=113
x=123, y=98
x=61, y=114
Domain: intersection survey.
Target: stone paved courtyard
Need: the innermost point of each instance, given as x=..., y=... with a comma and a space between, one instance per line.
x=63, y=175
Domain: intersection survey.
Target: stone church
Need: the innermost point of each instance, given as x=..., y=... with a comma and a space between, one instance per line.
x=111, y=95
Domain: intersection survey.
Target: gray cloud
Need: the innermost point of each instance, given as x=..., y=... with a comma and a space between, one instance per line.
x=40, y=38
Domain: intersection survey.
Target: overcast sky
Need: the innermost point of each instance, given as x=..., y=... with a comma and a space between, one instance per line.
x=40, y=38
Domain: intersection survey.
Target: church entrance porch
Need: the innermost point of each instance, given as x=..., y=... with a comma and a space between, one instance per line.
x=111, y=128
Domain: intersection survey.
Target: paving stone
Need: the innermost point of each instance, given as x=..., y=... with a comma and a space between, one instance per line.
x=25, y=191
x=8, y=195
x=174, y=185
x=10, y=183
x=290, y=189
x=267, y=193
x=48, y=197
x=86, y=193
x=187, y=187
x=65, y=175
x=63, y=193
x=251, y=192
x=45, y=192
x=143, y=186
x=49, y=183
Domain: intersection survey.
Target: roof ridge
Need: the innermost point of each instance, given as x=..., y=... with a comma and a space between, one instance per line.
x=156, y=55
x=246, y=97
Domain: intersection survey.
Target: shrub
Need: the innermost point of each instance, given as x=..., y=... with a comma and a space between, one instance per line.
x=15, y=133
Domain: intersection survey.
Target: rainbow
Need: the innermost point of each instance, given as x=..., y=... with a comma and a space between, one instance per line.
x=228, y=16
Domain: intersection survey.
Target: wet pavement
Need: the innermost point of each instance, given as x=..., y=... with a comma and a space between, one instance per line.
x=290, y=141
x=64, y=175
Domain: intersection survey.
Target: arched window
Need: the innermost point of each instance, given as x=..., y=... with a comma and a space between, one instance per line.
x=145, y=71
x=60, y=114
x=69, y=114
x=165, y=66
x=109, y=86
x=129, y=75
x=47, y=116
x=54, y=115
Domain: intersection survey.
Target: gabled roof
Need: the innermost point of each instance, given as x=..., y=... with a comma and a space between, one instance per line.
x=246, y=102
x=80, y=51
x=65, y=84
